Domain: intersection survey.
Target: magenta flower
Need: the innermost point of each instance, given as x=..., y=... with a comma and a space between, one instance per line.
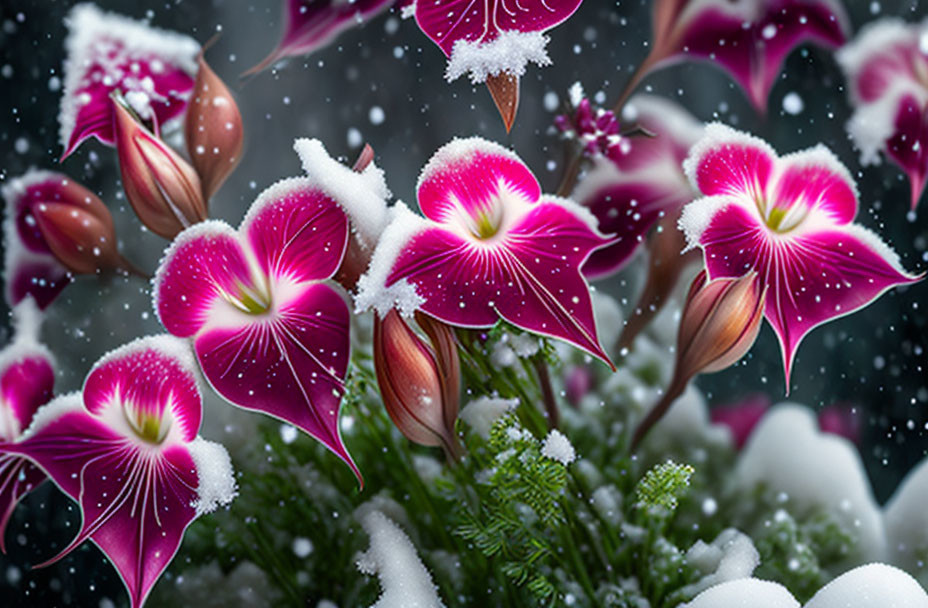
x=747, y=38
x=269, y=332
x=595, y=129
x=491, y=246
x=127, y=451
x=154, y=69
x=642, y=182
x=489, y=38
x=887, y=72
x=27, y=377
x=310, y=25
x=790, y=220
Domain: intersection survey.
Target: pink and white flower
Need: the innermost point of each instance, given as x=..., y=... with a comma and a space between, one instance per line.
x=790, y=219
x=490, y=247
x=492, y=37
x=269, y=330
x=641, y=182
x=310, y=25
x=126, y=450
x=749, y=39
x=887, y=72
x=27, y=379
x=154, y=69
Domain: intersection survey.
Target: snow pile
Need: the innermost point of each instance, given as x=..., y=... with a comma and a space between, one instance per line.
x=788, y=454
x=731, y=556
x=509, y=52
x=558, y=447
x=906, y=521
x=480, y=414
x=871, y=586
x=405, y=581
x=745, y=593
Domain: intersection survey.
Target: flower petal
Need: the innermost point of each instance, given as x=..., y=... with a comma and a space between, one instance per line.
x=25, y=385
x=447, y=22
x=204, y=262
x=42, y=278
x=296, y=231
x=530, y=277
x=751, y=40
x=466, y=176
x=107, y=52
x=813, y=180
x=291, y=366
x=149, y=375
x=813, y=276
x=311, y=24
x=727, y=161
x=908, y=145
x=18, y=477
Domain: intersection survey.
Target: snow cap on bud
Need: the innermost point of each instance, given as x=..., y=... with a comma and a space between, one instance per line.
x=213, y=130
x=162, y=187
x=721, y=320
x=419, y=383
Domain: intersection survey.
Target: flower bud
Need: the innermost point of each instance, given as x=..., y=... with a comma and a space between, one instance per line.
x=504, y=89
x=421, y=398
x=721, y=320
x=56, y=215
x=80, y=240
x=162, y=187
x=213, y=130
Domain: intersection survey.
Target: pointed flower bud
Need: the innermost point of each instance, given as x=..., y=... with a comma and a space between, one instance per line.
x=162, y=187
x=419, y=383
x=213, y=130
x=721, y=320
x=54, y=216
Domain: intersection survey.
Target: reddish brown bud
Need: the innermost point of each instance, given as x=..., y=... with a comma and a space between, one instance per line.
x=161, y=186
x=720, y=322
x=213, y=130
x=504, y=88
x=419, y=385
x=82, y=241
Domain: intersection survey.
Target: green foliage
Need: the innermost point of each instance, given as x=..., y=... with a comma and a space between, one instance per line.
x=793, y=552
x=522, y=506
x=663, y=485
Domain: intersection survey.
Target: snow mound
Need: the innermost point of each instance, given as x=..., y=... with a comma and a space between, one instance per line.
x=871, y=586
x=745, y=593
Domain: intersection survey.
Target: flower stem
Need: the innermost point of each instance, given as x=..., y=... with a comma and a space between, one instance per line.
x=547, y=393
x=676, y=388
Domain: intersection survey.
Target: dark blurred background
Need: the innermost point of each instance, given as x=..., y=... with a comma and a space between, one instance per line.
x=383, y=83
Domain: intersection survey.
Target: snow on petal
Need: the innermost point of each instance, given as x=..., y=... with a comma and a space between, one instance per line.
x=404, y=579
x=310, y=25
x=27, y=379
x=490, y=38
x=789, y=219
x=871, y=585
x=787, y=453
x=122, y=450
x=269, y=332
x=362, y=196
x=490, y=247
x=886, y=67
x=749, y=39
x=106, y=52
